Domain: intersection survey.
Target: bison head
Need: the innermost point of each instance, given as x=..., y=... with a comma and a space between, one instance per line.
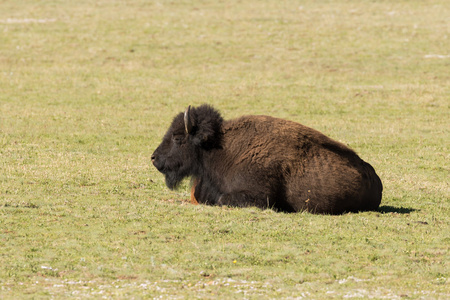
x=191, y=134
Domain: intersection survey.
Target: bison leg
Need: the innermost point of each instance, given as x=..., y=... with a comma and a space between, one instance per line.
x=207, y=193
x=194, y=185
x=242, y=199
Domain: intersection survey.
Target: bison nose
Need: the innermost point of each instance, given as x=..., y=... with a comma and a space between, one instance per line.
x=157, y=162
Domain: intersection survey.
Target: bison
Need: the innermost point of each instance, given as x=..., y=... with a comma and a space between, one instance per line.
x=265, y=162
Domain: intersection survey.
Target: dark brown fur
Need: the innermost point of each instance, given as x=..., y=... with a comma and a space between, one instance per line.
x=268, y=163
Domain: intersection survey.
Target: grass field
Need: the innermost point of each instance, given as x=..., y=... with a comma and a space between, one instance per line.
x=88, y=88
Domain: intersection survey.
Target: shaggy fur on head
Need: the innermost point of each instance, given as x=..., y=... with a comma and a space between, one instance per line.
x=178, y=155
x=265, y=162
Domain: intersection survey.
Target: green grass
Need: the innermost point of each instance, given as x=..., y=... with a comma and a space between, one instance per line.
x=88, y=88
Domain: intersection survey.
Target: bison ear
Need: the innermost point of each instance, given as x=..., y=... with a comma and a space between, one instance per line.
x=207, y=126
x=188, y=120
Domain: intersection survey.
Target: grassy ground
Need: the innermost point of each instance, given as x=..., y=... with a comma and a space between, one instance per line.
x=87, y=89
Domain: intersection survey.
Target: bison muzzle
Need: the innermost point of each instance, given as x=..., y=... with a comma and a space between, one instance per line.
x=265, y=162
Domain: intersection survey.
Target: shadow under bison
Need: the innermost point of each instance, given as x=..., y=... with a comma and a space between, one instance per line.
x=265, y=162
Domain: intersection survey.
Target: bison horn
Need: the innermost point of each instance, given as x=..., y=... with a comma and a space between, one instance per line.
x=187, y=119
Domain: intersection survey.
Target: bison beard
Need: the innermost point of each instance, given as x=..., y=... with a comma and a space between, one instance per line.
x=265, y=162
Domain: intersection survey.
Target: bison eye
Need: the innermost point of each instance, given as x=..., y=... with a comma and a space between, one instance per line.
x=178, y=139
